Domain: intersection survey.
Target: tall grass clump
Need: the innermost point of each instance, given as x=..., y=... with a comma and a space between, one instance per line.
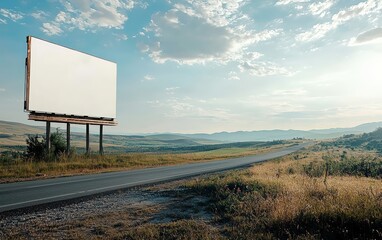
x=313, y=197
x=361, y=166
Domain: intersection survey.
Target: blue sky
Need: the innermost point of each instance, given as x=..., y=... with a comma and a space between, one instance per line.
x=209, y=66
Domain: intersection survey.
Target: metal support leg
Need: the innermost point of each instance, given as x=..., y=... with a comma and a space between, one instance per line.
x=67, y=138
x=47, y=138
x=87, y=139
x=100, y=139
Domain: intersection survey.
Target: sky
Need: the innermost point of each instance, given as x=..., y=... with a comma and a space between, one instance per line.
x=193, y=66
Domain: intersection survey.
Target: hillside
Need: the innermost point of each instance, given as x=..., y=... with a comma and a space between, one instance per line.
x=269, y=135
x=13, y=136
x=368, y=141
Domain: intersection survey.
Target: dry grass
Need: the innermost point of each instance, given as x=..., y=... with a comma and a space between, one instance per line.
x=271, y=200
x=16, y=170
x=278, y=200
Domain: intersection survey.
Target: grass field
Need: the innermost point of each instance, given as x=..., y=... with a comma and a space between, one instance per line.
x=16, y=169
x=280, y=199
x=304, y=195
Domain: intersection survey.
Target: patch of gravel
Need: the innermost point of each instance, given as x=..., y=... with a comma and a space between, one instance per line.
x=95, y=206
x=159, y=204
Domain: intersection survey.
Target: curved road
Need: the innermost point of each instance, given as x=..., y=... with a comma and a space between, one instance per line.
x=26, y=194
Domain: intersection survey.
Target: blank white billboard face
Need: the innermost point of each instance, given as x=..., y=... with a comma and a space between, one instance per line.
x=64, y=81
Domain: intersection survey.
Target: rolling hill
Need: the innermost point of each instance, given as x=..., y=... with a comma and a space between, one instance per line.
x=269, y=135
x=13, y=135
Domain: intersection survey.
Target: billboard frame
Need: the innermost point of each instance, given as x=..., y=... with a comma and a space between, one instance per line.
x=61, y=118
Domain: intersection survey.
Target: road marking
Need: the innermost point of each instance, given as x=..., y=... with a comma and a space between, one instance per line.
x=104, y=188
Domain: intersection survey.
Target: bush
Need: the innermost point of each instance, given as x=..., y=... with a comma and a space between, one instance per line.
x=362, y=167
x=36, y=147
x=58, y=144
x=314, y=169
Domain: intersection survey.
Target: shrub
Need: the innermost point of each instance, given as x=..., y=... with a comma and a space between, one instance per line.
x=58, y=144
x=35, y=147
x=314, y=169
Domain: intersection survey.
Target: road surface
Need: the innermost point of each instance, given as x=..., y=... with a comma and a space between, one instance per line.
x=31, y=193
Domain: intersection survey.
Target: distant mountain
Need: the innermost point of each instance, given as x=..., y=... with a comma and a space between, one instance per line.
x=14, y=134
x=269, y=135
x=13, y=137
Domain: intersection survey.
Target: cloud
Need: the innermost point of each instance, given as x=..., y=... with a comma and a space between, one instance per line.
x=51, y=29
x=171, y=90
x=262, y=69
x=39, y=15
x=320, y=30
x=286, y=2
x=192, y=108
x=250, y=62
x=121, y=37
x=369, y=35
x=187, y=42
x=3, y=21
x=2, y=89
x=10, y=14
x=321, y=8
x=318, y=114
x=233, y=76
x=199, y=32
x=306, y=7
x=92, y=14
x=148, y=78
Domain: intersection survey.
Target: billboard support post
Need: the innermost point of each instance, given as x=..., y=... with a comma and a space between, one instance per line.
x=67, y=138
x=48, y=136
x=100, y=139
x=87, y=139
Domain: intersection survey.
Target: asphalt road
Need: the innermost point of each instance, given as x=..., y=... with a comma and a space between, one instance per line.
x=31, y=193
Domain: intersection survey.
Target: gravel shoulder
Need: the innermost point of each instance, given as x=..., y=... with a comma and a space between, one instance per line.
x=110, y=216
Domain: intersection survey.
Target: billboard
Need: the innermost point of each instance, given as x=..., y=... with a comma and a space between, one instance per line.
x=62, y=81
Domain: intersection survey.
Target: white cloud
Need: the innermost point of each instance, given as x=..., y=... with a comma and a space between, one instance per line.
x=233, y=76
x=2, y=89
x=320, y=30
x=3, y=21
x=148, y=78
x=171, y=90
x=262, y=69
x=10, y=14
x=321, y=8
x=198, y=32
x=121, y=37
x=39, y=15
x=250, y=62
x=367, y=37
x=192, y=108
x=286, y=2
x=51, y=29
x=92, y=14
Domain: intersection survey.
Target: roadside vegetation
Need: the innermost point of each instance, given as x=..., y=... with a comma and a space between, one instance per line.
x=312, y=194
x=322, y=192
x=290, y=199
x=35, y=162
x=331, y=190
